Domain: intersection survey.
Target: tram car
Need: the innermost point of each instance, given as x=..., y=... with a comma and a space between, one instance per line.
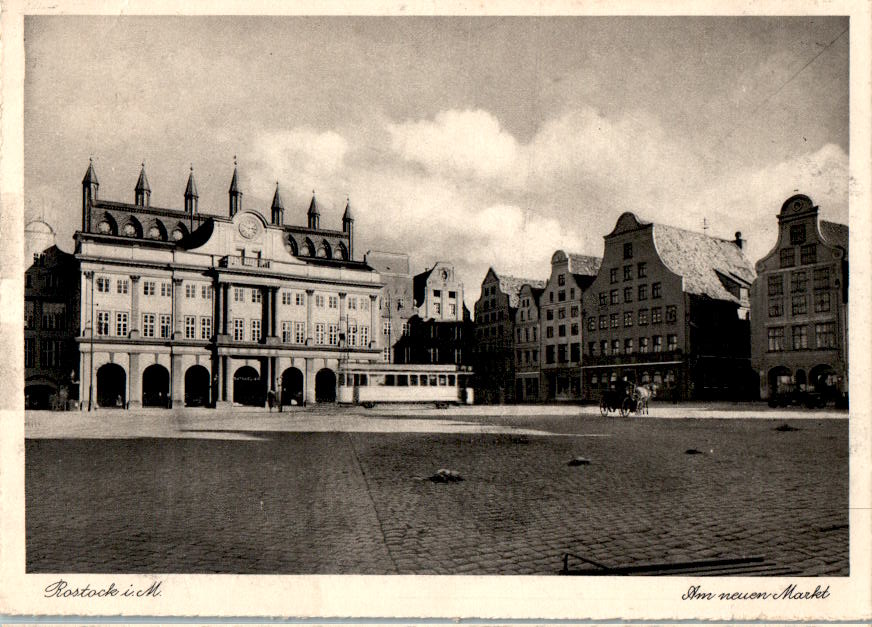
x=405, y=383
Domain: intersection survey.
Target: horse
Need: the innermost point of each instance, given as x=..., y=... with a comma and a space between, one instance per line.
x=643, y=394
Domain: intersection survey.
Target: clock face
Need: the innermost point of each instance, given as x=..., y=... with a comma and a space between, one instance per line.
x=248, y=228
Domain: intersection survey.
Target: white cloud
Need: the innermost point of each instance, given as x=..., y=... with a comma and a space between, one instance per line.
x=288, y=154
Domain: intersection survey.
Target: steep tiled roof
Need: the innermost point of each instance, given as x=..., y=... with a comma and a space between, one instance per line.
x=512, y=286
x=191, y=188
x=699, y=258
x=584, y=264
x=142, y=183
x=419, y=286
x=836, y=234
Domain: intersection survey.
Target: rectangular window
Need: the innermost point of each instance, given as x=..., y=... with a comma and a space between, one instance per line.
x=613, y=321
x=574, y=329
x=616, y=347
x=641, y=269
x=333, y=302
x=628, y=250
x=797, y=234
x=364, y=336
x=319, y=333
x=238, y=294
x=822, y=279
x=352, y=334
x=591, y=348
x=628, y=318
x=808, y=254
x=561, y=313
x=776, y=284
x=206, y=292
x=603, y=300
x=29, y=352
x=613, y=275
x=437, y=308
x=190, y=327
x=205, y=328
x=319, y=300
x=103, y=284
x=549, y=354
x=628, y=294
x=800, y=337
x=776, y=307
x=102, y=323
x=386, y=327
x=549, y=331
x=656, y=291
x=788, y=257
x=255, y=330
x=628, y=273
x=656, y=315
x=628, y=345
x=405, y=328
x=190, y=291
x=561, y=330
x=29, y=314
x=287, y=331
x=166, y=289
x=287, y=297
x=658, y=343
x=549, y=314
x=299, y=299
x=561, y=353
x=825, y=335
x=148, y=321
x=643, y=292
x=603, y=323
x=299, y=332
x=238, y=329
x=148, y=288
x=671, y=342
x=799, y=305
x=166, y=322
x=386, y=356
x=591, y=323
x=643, y=317
x=256, y=295
x=613, y=297
x=121, y=321
x=776, y=338
x=821, y=302
x=122, y=286
x=643, y=344
x=671, y=313
x=798, y=281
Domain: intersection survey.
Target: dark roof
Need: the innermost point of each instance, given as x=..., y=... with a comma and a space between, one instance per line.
x=512, y=286
x=142, y=183
x=583, y=281
x=419, y=286
x=347, y=216
x=584, y=264
x=138, y=209
x=191, y=188
x=698, y=258
x=234, y=182
x=90, y=175
x=387, y=262
x=313, y=207
x=277, y=199
x=836, y=234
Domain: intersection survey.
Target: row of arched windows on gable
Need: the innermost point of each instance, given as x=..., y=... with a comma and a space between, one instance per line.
x=323, y=250
x=133, y=228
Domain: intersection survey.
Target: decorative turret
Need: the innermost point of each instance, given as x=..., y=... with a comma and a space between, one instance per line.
x=314, y=214
x=348, y=226
x=90, y=185
x=278, y=209
x=191, y=195
x=235, y=194
x=143, y=191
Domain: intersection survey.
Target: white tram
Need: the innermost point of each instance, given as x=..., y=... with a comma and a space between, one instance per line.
x=404, y=383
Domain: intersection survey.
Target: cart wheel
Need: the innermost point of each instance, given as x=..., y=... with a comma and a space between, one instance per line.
x=626, y=406
x=604, y=409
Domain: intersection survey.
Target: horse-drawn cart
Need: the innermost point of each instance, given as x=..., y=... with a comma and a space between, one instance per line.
x=626, y=399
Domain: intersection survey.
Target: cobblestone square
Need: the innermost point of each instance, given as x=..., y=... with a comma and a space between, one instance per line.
x=272, y=495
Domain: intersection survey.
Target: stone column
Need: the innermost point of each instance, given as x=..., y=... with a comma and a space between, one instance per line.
x=177, y=332
x=225, y=313
x=343, y=319
x=309, y=383
x=222, y=379
x=134, y=379
x=374, y=332
x=134, y=306
x=310, y=325
x=265, y=311
x=273, y=307
x=218, y=309
x=177, y=393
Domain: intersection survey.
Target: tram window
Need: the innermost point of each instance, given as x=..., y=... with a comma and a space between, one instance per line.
x=424, y=379
x=403, y=380
x=389, y=379
x=451, y=379
x=433, y=379
x=441, y=379
x=413, y=379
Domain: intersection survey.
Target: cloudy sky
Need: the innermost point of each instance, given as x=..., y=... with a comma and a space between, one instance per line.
x=481, y=141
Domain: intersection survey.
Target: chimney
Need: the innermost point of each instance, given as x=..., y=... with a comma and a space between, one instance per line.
x=739, y=241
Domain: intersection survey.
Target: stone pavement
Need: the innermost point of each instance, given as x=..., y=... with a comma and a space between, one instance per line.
x=267, y=498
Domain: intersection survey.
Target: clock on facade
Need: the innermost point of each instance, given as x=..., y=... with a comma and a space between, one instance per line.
x=248, y=228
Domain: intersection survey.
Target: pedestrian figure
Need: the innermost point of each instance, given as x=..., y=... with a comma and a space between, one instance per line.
x=270, y=399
